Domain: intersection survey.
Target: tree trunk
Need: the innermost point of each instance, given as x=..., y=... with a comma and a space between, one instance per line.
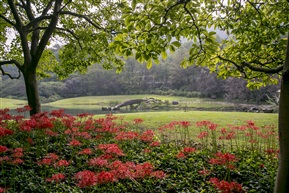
x=30, y=79
x=282, y=180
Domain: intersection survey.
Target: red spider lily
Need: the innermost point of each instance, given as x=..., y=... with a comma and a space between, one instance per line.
x=27, y=125
x=143, y=170
x=2, y=190
x=146, y=150
x=4, y=158
x=57, y=113
x=74, y=142
x=186, y=150
x=61, y=163
x=17, y=161
x=18, y=152
x=212, y=126
x=223, y=159
x=45, y=161
x=87, y=151
x=98, y=162
x=23, y=109
x=105, y=177
x=51, y=133
x=158, y=174
x=82, y=115
x=52, y=156
x=189, y=150
x=226, y=187
x=84, y=134
x=85, y=178
x=181, y=155
x=111, y=149
x=223, y=130
x=68, y=121
x=3, y=148
x=4, y=132
x=155, y=144
x=203, y=134
x=204, y=172
x=30, y=141
x=184, y=123
x=138, y=120
x=129, y=135
x=147, y=136
x=56, y=178
x=202, y=123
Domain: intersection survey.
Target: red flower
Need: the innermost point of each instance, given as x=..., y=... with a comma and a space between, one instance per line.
x=61, y=163
x=30, y=141
x=4, y=132
x=5, y=158
x=105, y=177
x=85, y=178
x=137, y=121
x=155, y=144
x=111, y=149
x=203, y=134
x=185, y=123
x=56, y=178
x=57, y=113
x=74, y=142
x=181, y=155
x=3, y=148
x=18, y=152
x=158, y=174
x=147, y=136
x=2, y=190
x=98, y=162
x=204, y=172
x=87, y=151
x=146, y=150
x=226, y=187
x=17, y=161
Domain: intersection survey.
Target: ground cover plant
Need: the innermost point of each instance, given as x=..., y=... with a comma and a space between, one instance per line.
x=56, y=152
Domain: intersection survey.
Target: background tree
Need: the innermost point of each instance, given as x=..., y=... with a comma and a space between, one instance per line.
x=255, y=49
x=84, y=28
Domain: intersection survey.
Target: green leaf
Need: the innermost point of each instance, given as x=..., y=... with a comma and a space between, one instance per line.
x=164, y=55
x=149, y=64
x=133, y=4
x=176, y=43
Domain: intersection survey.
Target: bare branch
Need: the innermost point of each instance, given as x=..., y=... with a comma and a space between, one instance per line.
x=15, y=14
x=80, y=16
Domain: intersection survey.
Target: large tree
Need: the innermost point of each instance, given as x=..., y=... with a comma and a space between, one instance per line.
x=256, y=47
x=84, y=28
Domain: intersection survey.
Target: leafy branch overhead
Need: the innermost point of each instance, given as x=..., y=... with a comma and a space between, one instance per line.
x=254, y=47
x=32, y=25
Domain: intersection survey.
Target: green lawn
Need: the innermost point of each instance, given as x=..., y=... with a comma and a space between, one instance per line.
x=156, y=119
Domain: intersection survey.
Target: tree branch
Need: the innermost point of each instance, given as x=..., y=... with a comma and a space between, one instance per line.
x=47, y=34
x=49, y=5
x=7, y=20
x=15, y=15
x=80, y=16
x=240, y=67
x=17, y=64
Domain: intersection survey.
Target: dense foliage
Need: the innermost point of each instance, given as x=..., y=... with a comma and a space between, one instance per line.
x=57, y=152
x=167, y=78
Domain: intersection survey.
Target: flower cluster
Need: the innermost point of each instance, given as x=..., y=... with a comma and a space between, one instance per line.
x=185, y=152
x=227, y=187
x=223, y=159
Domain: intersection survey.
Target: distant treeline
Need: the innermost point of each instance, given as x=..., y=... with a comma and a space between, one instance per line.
x=166, y=78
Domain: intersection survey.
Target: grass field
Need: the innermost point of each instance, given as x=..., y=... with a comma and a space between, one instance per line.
x=156, y=119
